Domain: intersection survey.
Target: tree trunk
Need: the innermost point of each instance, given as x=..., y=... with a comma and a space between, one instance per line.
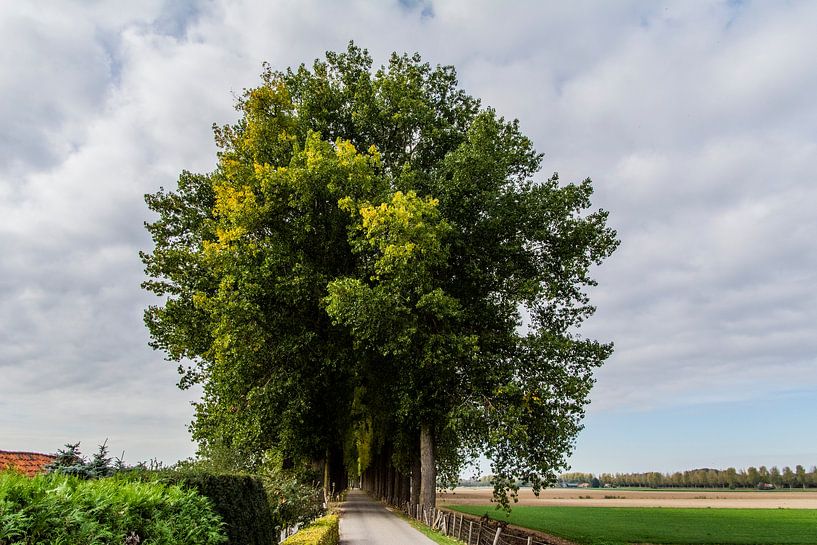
x=326, y=477
x=398, y=487
x=381, y=492
x=415, y=479
x=389, y=483
x=428, y=469
x=406, y=488
x=377, y=471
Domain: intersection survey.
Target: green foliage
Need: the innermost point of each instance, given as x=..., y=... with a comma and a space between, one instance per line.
x=63, y=509
x=360, y=264
x=70, y=461
x=292, y=502
x=323, y=531
x=292, y=495
x=240, y=500
x=624, y=525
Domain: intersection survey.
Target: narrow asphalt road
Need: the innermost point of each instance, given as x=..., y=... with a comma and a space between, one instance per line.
x=364, y=521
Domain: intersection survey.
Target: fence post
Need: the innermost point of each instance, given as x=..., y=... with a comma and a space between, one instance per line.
x=530, y=540
x=496, y=537
x=470, y=530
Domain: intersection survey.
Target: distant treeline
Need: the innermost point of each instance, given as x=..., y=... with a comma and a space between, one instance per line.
x=751, y=477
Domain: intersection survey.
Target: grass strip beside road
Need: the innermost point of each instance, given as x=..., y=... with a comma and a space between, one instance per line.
x=434, y=535
x=624, y=525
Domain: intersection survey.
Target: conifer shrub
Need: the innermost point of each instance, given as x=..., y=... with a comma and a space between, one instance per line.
x=57, y=508
x=323, y=531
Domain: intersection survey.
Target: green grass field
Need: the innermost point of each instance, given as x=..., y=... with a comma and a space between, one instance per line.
x=623, y=525
x=719, y=490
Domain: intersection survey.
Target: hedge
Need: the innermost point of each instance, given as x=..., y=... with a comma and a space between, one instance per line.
x=66, y=509
x=323, y=531
x=240, y=500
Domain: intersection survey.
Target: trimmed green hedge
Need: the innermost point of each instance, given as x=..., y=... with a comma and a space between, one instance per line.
x=66, y=509
x=323, y=531
x=240, y=500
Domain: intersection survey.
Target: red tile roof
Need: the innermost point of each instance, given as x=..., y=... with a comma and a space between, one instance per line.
x=27, y=463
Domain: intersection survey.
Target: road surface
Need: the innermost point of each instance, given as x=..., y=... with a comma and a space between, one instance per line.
x=366, y=522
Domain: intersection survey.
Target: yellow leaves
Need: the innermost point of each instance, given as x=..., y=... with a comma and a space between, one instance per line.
x=406, y=232
x=200, y=300
x=402, y=211
x=350, y=159
x=399, y=252
x=232, y=167
x=407, y=213
x=268, y=100
x=254, y=187
x=345, y=152
x=232, y=201
x=234, y=208
x=348, y=204
x=225, y=236
x=314, y=153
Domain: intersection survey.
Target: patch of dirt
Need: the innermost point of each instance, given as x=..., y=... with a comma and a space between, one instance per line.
x=605, y=497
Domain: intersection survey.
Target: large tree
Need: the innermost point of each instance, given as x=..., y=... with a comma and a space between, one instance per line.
x=373, y=268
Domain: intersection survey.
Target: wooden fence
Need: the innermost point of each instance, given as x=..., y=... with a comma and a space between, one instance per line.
x=467, y=530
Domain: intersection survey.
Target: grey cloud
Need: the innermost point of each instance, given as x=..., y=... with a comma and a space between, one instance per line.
x=58, y=91
x=694, y=120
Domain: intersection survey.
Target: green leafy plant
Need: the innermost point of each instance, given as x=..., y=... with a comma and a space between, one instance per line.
x=239, y=499
x=292, y=501
x=63, y=509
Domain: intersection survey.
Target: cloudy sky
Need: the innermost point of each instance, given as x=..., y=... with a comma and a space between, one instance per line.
x=696, y=120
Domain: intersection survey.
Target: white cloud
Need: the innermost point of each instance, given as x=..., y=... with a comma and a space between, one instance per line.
x=695, y=121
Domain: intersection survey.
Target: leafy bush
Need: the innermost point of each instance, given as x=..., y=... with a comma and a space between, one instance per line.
x=292, y=502
x=63, y=509
x=324, y=531
x=241, y=500
x=294, y=494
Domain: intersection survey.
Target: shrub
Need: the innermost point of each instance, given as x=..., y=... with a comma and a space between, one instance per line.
x=240, y=500
x=324, y=531
x=292, y=501
x=66, y=509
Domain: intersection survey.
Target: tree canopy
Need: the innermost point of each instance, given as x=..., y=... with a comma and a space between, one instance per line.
x=373, y=268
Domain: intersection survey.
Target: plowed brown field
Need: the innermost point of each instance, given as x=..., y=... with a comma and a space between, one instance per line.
x=605, y=497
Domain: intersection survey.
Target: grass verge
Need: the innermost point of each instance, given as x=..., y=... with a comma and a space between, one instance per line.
x=434, y=535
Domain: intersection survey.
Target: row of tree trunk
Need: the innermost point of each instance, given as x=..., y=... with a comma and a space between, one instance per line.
x=415, y=484
x=335, y=478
